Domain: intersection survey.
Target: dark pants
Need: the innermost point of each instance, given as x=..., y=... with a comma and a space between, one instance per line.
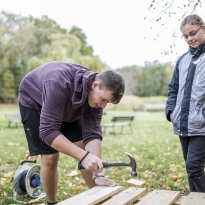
x=194, y=155
x=31, y=122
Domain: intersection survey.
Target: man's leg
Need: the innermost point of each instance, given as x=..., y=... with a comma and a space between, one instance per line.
x=49, y=175
x=73, y=131
x=87, y=176
x=49, y=160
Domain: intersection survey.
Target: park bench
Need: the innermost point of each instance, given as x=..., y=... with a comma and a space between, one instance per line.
x=131, y=194
x=119, y=121
x=13, y=118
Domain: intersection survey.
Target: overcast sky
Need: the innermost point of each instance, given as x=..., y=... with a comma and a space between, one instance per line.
x=115, y=28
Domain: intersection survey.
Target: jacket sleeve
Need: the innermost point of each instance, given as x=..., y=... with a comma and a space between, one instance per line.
x=92, y=128
x=172, y=92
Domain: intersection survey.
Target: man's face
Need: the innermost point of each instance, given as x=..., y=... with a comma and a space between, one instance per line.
x=98, y=97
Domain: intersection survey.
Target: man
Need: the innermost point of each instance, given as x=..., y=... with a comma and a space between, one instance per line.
x=61, y=108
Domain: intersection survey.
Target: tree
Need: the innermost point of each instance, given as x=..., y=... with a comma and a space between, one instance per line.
x=27, y=42
x=85, y=48
x=162, y=13
x=150, y=80
x=154, y=78
x=131, y=76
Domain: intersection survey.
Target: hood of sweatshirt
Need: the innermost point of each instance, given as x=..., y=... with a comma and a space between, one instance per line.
x=83, y=79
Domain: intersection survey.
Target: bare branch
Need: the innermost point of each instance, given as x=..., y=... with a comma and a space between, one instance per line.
x=169, y=6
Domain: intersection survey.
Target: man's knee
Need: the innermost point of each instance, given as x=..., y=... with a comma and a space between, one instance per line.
x=50, y=161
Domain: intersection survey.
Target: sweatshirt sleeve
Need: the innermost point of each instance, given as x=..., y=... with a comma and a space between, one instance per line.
x=54, y=98
x=92, y=128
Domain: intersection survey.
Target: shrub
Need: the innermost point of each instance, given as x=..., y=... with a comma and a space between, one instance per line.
x=128, y=102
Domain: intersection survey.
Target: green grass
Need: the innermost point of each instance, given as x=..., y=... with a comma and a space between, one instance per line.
x=154, y=99
x=156, y=148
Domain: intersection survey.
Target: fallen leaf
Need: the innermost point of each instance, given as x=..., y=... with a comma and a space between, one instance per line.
x=73, y=173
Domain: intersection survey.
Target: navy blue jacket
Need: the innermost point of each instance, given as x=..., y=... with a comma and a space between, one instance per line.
x=185, y=106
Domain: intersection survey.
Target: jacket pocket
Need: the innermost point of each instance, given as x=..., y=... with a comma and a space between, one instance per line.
x=198, y=120
x=193, y=109
x=174, y=116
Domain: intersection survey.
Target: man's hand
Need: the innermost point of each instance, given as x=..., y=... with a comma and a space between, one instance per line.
x=95, y=163
x=92, y=163
x=100, y=180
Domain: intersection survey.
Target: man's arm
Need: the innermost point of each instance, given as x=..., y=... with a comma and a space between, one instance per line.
x=94, y=147
x=92, y=161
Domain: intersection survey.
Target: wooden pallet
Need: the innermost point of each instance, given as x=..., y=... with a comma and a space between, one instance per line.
x=120, y=195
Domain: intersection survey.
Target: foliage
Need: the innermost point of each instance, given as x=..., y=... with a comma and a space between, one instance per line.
x=157, y=150
x=128, y=102
x=85, y=48
x=168, y=7
x=150, y=80
x=154, y=79
x=161, y=14
x=131, y=76
x=154, y=99
x=27, y=42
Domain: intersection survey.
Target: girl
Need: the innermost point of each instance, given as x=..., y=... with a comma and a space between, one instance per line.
x=185, y=106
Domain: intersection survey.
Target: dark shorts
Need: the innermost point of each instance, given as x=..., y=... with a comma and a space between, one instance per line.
x=31, y=122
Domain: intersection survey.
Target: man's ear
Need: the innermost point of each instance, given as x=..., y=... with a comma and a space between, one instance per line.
x=95, y=84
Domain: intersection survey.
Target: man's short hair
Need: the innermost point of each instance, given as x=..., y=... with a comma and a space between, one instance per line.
x=112, y=81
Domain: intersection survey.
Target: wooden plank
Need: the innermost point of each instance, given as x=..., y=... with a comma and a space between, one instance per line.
x=128, y=196
x=194, y=198
x=92, y=196
x=180, y=200
x=134, y=183
x=160, y=197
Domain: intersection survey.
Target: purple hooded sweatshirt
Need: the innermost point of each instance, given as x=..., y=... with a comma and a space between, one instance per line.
x=59, y=90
